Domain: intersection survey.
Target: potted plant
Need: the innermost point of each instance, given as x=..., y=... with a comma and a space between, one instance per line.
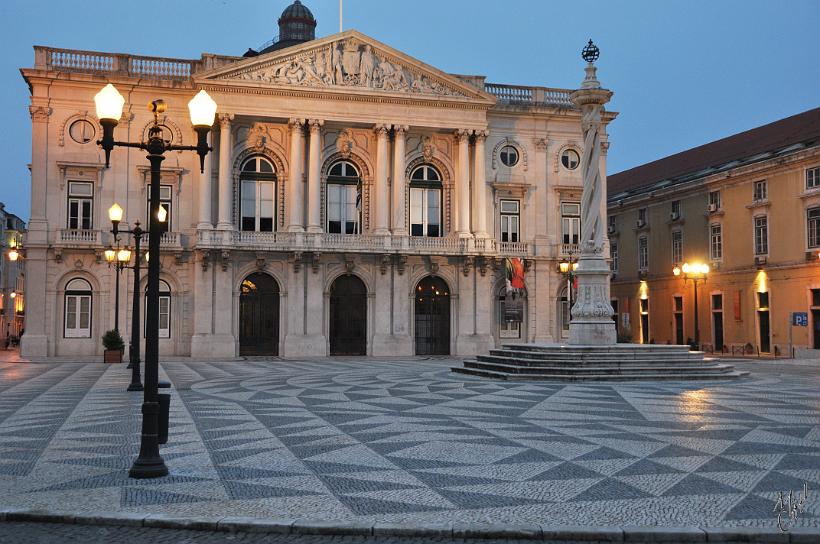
x=114, y=346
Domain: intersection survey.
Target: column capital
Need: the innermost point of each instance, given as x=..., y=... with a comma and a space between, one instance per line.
x=296, y=124
x=316, y=124
x=462, y=135
x=225, y=120
x=482, y=134
x=400, y=129
x=381, y=130
x=39, y=113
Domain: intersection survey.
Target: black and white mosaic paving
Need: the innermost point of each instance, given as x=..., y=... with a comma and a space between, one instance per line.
x=410, y=441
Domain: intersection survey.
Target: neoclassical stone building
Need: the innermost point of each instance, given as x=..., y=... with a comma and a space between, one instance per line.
x=357, y=201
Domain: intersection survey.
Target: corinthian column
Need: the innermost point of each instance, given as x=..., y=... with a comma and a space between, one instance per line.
x=382, y=162
x=225, y=199
x=295, y=184
x=463, y=184
x=205, y=194
x=591, y=322
x=399, y=152
x=313, y=175
x=479, y=187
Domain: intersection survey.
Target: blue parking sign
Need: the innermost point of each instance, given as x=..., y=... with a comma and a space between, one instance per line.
x=800, y=319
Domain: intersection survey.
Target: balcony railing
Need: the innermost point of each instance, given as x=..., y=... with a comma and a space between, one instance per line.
x=169, y=239
x=570, y=249
x=529, y=96
x=80, y=236
x=360, y=243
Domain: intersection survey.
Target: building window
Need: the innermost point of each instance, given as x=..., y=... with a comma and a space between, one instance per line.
x=164, y=309
x=77, y=322
x=613, y=254
x=612, y=223
x=570, y=159
x=510, y=221
x=641, y=217
x=714, y=201
x=761, y=191
x=571, y=222
x=165, y=203
x=80, y=205
x=677, y=247
x=643, y=253
x=509, y=155
x=425, y=202
x=813, y=227
x=644, y=307
x=257, y=195
x=677, y=302
x=716, y=242
x=81, y=131
x=675, y=210
x=761, y=224
x=813, y=177
x=343, y=198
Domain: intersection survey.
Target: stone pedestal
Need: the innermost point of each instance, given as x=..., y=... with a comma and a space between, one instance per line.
x=591, y=323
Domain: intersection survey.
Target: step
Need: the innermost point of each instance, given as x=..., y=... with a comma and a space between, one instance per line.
x=613, y=369
x=603, y=354
x=617, y=348
x=600, y=377
x=575, y=363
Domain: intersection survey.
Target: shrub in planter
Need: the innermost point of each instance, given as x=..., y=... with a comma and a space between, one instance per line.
x=114, y=346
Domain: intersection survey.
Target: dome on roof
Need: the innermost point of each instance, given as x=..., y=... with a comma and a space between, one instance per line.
x=297, y=23
x=296, y=10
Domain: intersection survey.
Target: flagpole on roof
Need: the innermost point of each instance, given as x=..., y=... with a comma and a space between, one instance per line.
x=340, y=15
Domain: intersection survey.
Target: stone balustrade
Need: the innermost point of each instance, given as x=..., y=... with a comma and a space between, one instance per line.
x=518, y=95
x=84, y=237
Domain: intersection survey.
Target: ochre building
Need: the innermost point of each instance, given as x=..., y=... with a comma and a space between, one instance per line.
x=747, y=206
x=358, y=201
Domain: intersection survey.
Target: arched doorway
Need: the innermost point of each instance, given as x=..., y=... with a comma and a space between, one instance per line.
x=432, y=305
x=348, y=316
x=259, y=315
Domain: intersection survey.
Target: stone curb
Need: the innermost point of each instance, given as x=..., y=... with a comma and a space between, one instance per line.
x=454, y=531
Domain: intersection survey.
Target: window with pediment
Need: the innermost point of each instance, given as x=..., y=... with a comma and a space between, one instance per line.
x=426, y=202
x=257, y=195
x=344, y=198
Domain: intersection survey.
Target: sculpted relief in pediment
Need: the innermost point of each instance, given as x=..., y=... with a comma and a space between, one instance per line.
x=347, y=63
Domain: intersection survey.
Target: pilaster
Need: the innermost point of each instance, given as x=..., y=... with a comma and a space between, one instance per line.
x=463, y=184
x=382, y=162
x=295, y=182
x=314, y=178
x=480, y=186
x=225, y=197
x=398, y=182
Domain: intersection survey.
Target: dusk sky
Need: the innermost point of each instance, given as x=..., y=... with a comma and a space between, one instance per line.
x=684, y=72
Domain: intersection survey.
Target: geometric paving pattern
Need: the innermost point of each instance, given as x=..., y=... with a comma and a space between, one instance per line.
x=410, y=441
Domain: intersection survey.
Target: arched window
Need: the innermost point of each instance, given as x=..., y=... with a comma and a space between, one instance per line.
x=77, y=322
x=164, y=309
x=257, y=195
x=344, y=201
x=425, y=202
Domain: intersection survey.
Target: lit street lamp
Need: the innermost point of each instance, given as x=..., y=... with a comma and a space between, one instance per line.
x=115, y=214
x=568, y=268
x=119, y=258
x=695, y=272
x=109, y=104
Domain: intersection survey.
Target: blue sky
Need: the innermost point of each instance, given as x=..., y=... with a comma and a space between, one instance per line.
x=684, y=72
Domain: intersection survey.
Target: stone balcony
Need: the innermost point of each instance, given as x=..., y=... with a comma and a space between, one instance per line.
x=360, y=243
x=79, y=238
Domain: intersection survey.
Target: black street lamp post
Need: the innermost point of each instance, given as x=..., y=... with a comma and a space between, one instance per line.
x=109, y=102
x=119, y=259
x=695, y=272
x=568, y=268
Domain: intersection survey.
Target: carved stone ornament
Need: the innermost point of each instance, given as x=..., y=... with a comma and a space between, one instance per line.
x=349, y=266
x=468, y=264
x=401, y=263
x=482, y=265
x=260, y=261
x=225, y=258
x=205, y=258
x=296, y=259
x=258, y=136
x=58, y=255
x=384, y=263
x=347, y=63
x=78, y=264
x=428, y=149
x=314, y=262
x=39, y=113
x=433, y=267
x=345, y=143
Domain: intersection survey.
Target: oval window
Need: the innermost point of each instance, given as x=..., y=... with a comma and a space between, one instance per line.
x=81, y=131
x=570, y=159
x=509, y=155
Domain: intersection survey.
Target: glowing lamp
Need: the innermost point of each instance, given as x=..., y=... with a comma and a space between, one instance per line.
x=124, y=255
x=13, y=254
x=110, y=255
x=162, y=214
x=109, y=103
x=202, y=109
x=115, y=213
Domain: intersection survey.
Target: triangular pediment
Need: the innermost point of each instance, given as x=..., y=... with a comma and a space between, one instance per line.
x=348, y=62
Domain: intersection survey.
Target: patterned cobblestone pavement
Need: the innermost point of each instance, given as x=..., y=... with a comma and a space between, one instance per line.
x=408, y=441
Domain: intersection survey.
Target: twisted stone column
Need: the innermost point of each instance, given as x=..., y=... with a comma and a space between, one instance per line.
x=591, y=322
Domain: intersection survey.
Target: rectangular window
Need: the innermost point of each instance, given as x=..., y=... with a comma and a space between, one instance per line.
x=675, y=209
x=77, y=316
x=677, y=247
x=613, y=254
x=763, y=301
x=80, y=205
x=425, y=212
x=641, y=217
x=510, y=221
x=612, y=222
x=714, y=200
x=815, y=297
x=643, y=253
x=571, y=222
x=813, y=177
x=342, y=215
x=164, y=316
x=761, y=191
x=717, y=302
x=813, y=227
x=678, y=303
x=761, y=225
x=165, y=203
x=716, y=242
x=257, y=205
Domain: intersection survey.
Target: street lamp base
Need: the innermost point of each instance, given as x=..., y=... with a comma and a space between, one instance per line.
x=148, y=468
x=135, y=387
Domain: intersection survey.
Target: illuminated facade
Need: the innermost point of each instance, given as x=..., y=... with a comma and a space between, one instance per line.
x=358, y=201
x=748, y=206
x=12, y=275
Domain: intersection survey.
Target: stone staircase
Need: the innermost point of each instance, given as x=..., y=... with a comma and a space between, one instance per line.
x=620, y=362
